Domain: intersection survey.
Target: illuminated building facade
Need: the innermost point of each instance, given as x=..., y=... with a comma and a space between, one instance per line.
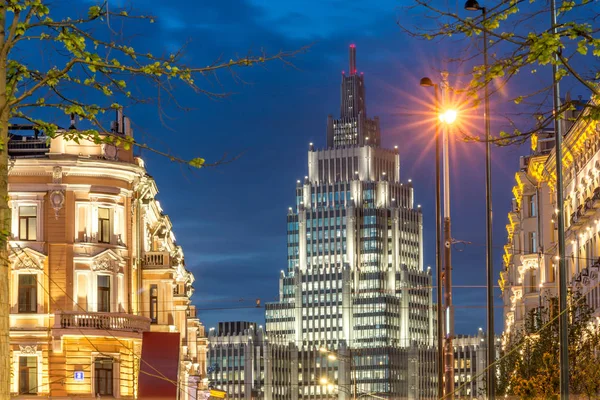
x=355, y=282
x=469, y=365
x=94, y=265
x=530, y=276
x=243, y=363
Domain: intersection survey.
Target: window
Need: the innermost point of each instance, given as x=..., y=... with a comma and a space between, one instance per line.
x=104, y=225
x=28, y=375
x=27, y=293
x=154, y=304
x=533, y=205
x=103, y=376
x=103, y=293
x=533, y=285
x=28, y=223
x=533, y=242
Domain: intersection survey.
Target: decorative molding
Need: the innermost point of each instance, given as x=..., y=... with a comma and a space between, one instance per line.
x=530, y=261
x=105, y=263
x=57, y=200
x=57, y=174
x=26, y=258
x=110, y=151
x=28, y=349
x=27, y=262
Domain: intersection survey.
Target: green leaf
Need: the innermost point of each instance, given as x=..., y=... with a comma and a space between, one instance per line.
x=196, y=162
x=94, y=12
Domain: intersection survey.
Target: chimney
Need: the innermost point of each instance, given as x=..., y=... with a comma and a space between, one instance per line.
x=72, y=126
x=352, y=53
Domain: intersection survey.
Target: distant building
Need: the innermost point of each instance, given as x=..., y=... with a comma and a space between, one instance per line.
x=469, y=365
x=355, y=283
x=243, y=363
x=93, y=265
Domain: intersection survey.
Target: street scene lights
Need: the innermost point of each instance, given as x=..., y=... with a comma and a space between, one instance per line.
x=448, y=117
x=332, y=355
x=324, y=381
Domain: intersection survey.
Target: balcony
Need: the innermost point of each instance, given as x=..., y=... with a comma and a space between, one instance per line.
x=578, y=217
x=589, y=208
x=105, y=321
x=157, y=259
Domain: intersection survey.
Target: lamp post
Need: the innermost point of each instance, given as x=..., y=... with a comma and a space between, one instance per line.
x=332, y=355
x=447, y=117
x=427, y=82
x=562, y=268
x=472, y=5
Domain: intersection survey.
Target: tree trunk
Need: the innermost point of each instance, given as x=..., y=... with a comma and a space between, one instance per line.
x=5, y=370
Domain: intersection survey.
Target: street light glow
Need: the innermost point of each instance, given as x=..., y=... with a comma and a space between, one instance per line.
x=324, y=381
x=323, y=350
x=448, y=116
x=332, y=357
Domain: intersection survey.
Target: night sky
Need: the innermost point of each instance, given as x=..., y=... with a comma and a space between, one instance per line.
x=231, y=220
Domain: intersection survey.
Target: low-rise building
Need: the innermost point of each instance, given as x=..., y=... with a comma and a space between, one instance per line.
x=94, y=265
x=530, y=271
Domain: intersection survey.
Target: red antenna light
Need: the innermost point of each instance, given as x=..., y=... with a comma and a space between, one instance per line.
x=353, y=45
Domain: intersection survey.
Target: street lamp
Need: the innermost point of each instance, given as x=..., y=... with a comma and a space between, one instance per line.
x=448, y=116
x=473, y=5
x=447, y=359
x=427, y=82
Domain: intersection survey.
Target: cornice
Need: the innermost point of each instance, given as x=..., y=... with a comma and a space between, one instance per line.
x=78, y=167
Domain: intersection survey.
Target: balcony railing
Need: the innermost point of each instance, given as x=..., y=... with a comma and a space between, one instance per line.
x=110, y=321
x=157, y=259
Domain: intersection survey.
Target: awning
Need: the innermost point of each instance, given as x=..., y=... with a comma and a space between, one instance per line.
x=159, y=367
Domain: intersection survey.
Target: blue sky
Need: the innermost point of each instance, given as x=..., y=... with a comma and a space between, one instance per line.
x=231, y=220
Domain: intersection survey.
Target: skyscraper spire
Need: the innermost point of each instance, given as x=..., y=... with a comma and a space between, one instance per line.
x=353, y=128
x=352, y=54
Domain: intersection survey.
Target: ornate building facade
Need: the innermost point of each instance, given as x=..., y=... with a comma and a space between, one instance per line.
x=94, y=265
x=530, y=259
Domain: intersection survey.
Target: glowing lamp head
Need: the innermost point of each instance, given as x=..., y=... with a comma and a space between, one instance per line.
x=324, y=381
x=332, y=357
x=448, y=116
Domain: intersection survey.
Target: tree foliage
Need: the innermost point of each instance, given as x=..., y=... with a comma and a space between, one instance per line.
x=521, y=43
x=90, y=61
x=79, y=65
x=532, y=372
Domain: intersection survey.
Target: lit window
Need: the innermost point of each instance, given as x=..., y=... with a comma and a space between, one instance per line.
x=28, y=223
x=103, y=293
x=103, y=225
x=28, y=375
x=103, y=376
x=27, y=293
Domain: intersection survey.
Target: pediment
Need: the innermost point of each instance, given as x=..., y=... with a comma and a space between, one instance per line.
x=107, y=260
x=26, y=258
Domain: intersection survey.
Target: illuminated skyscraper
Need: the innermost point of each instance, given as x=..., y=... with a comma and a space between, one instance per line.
x=355, y=282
